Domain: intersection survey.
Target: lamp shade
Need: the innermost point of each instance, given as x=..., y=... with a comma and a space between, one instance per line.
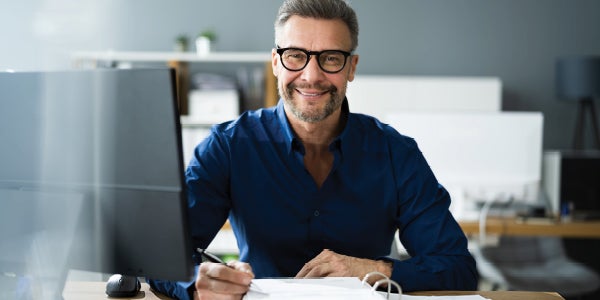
x=578, y=77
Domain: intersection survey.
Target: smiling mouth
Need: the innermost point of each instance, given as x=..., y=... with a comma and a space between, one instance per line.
x=312, y=94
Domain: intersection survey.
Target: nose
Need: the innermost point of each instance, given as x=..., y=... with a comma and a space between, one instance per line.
x=312, y=72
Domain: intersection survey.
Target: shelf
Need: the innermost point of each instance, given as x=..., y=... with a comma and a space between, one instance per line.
x=179, y=61
x=155, y=56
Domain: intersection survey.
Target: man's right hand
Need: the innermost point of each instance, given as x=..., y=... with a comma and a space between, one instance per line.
x=218, y=281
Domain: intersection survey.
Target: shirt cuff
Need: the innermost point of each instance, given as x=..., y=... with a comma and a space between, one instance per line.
x=175, y=289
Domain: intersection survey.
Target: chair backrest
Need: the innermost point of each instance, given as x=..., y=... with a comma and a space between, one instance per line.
x=525, y=250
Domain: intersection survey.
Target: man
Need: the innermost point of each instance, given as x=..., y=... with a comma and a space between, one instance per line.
x=312, y=190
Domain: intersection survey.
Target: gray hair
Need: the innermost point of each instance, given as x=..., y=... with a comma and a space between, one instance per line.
x=319, y=9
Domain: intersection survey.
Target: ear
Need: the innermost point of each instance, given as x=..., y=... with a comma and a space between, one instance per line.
x=274, y=61
x=353, y=63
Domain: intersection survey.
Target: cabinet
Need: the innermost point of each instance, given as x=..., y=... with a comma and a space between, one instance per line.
x=180, y=61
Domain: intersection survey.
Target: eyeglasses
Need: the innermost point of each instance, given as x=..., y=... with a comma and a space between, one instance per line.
x=330, y=61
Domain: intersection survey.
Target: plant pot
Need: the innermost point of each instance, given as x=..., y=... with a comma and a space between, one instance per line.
x=203, y=45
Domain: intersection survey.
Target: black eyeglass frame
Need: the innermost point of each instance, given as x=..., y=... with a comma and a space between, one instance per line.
x=280, y=51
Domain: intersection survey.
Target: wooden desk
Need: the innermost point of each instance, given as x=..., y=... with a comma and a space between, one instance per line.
x=497, y=295
x=535, y=227
x=92, y=290
x=77, y=290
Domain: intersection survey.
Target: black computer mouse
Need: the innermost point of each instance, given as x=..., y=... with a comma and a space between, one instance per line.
x=119, y=286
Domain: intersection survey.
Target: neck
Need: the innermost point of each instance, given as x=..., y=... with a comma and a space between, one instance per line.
x=317, y=135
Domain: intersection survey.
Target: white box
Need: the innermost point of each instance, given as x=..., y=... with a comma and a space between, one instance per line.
x=213, y=106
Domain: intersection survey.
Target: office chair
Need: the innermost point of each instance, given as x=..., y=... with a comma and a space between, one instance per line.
x=538, y=264
x=532, y=264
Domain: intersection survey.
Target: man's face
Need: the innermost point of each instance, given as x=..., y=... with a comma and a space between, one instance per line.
x=312, y=94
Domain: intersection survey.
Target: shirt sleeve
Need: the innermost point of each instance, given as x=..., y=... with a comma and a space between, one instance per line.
x=429, y=273
x=207, y=182
x=440, y=259
x=174, y=289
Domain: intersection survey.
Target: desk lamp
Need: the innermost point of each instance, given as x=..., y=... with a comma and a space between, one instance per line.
x=578, y=78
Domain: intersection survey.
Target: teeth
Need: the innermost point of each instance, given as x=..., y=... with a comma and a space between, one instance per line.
x=310, y=94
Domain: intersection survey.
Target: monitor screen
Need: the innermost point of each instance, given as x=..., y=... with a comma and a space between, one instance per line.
x=91, y=175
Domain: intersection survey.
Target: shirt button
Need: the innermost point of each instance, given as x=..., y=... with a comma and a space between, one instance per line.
x=316, y=214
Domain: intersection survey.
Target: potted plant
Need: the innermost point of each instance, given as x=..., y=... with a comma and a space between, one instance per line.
x=204, y=40
x=181, y=43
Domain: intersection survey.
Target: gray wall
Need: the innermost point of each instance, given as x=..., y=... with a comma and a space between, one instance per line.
x=516, y=40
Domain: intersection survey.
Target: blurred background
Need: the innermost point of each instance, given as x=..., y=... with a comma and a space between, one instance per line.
x=516, y=41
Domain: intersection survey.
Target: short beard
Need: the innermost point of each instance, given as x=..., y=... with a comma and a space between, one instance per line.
x=334, y=103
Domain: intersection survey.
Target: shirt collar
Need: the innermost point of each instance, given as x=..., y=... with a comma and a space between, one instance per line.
x=285, y=125
x=293, y=142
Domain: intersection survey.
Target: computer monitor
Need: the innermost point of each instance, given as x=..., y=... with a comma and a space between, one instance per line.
x=479, y=156
x=91, y=177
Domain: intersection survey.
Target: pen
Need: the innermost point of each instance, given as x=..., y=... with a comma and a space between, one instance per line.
x=215, y=259
x=210, y=257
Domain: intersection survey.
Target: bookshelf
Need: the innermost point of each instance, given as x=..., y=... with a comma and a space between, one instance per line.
x=180, y=61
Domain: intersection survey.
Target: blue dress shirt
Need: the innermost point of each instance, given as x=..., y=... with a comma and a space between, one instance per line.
x=251, y=171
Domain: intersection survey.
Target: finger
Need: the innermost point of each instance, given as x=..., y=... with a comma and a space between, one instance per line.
x=216, y=286
x=315, y=270
x=241, y=266
x=325, y=257
x=317, y=261
x=326, y=254
x=307, y=268
x=302, y=273
x=222, y=279
x=318, y=271
x=237, y=273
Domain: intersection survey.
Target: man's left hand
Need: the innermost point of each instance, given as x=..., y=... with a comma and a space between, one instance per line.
x=331, y=264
